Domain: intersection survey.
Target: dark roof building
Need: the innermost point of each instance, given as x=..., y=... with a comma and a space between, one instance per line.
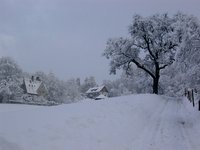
x=100, y=92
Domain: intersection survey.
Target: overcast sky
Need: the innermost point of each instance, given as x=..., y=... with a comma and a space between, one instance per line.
x=68, y=37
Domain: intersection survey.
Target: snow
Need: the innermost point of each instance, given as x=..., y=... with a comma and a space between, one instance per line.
x=95, y=89
x=136, y=122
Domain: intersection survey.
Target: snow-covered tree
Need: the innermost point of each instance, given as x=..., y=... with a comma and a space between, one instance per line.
x=130, y=83
x=9, y=70
x=56, y=88
x=5, y=92
x=72, y=90
x=89, y=82
x=113, y=87
x=134, y=81
x=152, y=45
x=10, y=79
x=184, y=72
x=61, y=91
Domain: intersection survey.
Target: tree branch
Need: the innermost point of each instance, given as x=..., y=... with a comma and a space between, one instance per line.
x=143, y=68
x=148, y=48
x=139, y=46
x=164, y=66
x=139, y=65
x=172, y=46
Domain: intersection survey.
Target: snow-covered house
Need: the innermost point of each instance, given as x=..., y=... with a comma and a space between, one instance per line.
x=34, y=86
x=97, y=92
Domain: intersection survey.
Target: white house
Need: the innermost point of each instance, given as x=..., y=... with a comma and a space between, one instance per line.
x=34, y=86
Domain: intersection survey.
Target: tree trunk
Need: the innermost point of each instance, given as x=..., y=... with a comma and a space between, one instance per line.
x=155, y=85
x=156, y=79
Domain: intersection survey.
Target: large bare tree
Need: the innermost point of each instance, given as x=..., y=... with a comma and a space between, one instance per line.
x=151, y=46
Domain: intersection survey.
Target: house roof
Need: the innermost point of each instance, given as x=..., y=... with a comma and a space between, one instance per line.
x=95, y=89
x=32, y=85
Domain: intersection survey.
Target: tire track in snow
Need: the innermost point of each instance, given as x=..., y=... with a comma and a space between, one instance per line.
x=172, y=133
x=148, y=135
x=157, y=129
x=170, y=136
x=167, y=128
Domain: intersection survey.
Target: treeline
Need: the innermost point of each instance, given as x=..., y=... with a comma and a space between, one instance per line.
x=183, y=73
x=59, y=91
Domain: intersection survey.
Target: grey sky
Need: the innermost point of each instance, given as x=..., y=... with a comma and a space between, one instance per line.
x=67, y=37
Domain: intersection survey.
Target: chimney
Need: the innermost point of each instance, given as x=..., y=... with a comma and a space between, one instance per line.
x=38, y=79
x=32, y=78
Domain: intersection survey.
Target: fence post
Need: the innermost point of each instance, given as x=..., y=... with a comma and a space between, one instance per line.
x=193, y=98
x=199, y=105
x=188, y=95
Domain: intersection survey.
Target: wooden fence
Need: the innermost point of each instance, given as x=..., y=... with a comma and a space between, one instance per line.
x=193, y=97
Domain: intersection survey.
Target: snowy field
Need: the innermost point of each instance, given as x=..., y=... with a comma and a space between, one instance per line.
x=137, y=122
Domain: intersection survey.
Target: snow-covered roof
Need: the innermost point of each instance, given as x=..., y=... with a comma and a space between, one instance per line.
x=95, y=89
x=32, y=85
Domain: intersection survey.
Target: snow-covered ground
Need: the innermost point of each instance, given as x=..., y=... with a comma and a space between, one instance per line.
x=137, y=122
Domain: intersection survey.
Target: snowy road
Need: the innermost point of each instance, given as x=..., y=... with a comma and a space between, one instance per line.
x=137, y=122
x=170, y=127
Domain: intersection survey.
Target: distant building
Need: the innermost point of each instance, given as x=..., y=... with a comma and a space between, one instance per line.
x=34, y=86
x=97, y=93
